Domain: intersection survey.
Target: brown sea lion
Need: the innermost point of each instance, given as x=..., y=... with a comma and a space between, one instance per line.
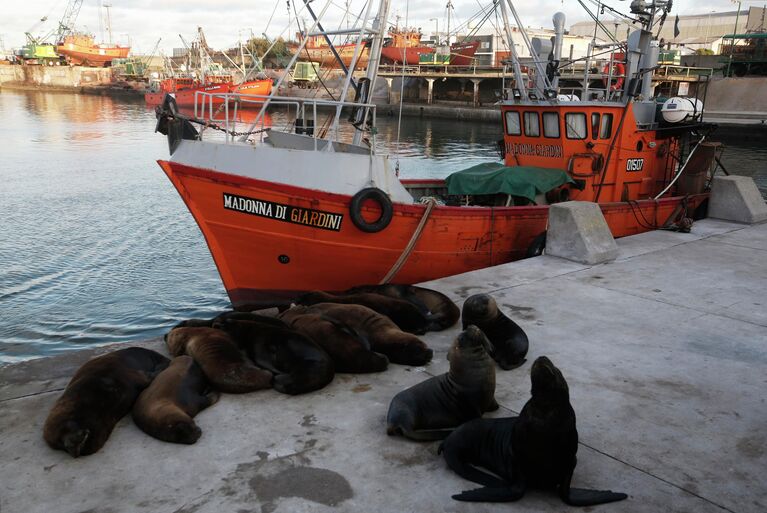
x=221, y=362
x=100, y=393
x=439, y=309
x=299, y=365
x=349, y=351
x=509, y=341
x=247, y=316
x=407, y=316
x=384, y=336
x=166, y=408
x=536, y=449
x=431, y=409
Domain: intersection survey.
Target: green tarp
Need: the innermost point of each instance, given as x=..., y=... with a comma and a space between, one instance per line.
x=494, y=178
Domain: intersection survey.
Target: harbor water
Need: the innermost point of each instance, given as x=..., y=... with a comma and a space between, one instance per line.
x=96, y=246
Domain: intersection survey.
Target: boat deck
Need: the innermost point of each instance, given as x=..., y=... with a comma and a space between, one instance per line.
x=664, y=352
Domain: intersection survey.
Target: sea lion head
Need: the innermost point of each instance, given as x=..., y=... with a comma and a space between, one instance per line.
x=547, y=380
x=184, y=432
x=74, y=436
x=471, y=343
x=177, y=338
x=479, y=307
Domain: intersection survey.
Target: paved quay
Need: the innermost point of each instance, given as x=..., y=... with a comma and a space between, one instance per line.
x=664, y=350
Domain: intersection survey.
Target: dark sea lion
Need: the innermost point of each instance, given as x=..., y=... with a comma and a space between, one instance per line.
x=165, y=409
x=194, y=323
x=536, y=449
x=349, y=351
x=299, y=365
x=221, y=361
x=439, y=309
x=431, y=409
x=384, y=336
x=247, y=316
x=100, y=393
x=407, y=316
x=509, y=341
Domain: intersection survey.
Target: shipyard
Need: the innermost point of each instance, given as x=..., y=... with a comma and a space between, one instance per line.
x=375, y=255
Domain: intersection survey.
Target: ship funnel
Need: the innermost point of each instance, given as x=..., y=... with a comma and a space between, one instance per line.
x=559, y=33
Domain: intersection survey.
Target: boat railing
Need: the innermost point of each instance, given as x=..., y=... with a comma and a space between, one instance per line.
x=225, y=109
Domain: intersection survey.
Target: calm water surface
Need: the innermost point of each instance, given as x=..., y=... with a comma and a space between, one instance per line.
x=95, y=244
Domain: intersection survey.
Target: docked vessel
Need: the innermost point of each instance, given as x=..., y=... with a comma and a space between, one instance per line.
x=185, y=90
x=82, y=50
x=287, y=212
x=404, y=47
x=318, y=50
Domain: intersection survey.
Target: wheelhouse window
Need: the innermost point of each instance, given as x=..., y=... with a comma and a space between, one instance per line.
x=594, y=125
x=606, y=129
x=532, y=126
x=575, y=125
x=513, y=126
x=551, y=124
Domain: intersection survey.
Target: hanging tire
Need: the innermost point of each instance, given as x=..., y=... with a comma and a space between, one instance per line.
x=384, y=203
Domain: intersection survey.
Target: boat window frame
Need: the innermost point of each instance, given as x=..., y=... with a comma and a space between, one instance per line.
x=568, y=126
x=559, y=131
x=595, y=127
x=607, y=115
x=537, y=123
x=506, y=122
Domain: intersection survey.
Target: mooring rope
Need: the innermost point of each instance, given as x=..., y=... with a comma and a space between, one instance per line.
x=410, y=245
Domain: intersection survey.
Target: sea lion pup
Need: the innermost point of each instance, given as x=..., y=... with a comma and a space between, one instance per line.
x=439, y=309
x=165, y=408
x=349, y=351
x=431, y=409
x=384, y=336
x=536, y=449
x=100, y=393
x=404, y=314
x=509, y=341
x=223, y=364
x=299, y=365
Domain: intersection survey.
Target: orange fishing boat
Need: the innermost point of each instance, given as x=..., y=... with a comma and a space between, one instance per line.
x=288, y=212
x=81, y=50
x=318, y=50
x=185, y=90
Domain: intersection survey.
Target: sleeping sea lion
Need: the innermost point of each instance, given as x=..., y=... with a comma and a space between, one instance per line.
x=536, y=449
x=166, y=408
x=438, y=308
x=349, y=351
x=509, y=341
x=100, y=393
x=221, y=362
x=407, y=316
x=384, y=336
x=431, y=409
x=299, y=365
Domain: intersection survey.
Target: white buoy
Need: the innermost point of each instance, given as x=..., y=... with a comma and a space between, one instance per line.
x=678, y=109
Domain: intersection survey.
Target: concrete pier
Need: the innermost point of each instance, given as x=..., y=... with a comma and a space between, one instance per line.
x=664, y=350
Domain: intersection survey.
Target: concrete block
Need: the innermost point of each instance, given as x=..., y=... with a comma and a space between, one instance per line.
x=578, y=231
x=736, y=198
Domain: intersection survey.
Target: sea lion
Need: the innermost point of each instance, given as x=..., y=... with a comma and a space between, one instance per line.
x=431, y=409
x=299, y=365
x=221, y=362
x=100, y=393
x=509, y=341
x=194, y=323
x=536, y=449
x=384, y=336
x=247, y=316
x=165, y=408
x=349, y=351
x=407, y=316
x=438, y=308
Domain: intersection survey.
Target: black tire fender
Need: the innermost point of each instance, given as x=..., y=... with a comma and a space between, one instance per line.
x=380, y=197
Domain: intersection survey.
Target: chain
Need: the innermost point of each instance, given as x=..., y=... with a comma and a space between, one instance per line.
x=214, y=126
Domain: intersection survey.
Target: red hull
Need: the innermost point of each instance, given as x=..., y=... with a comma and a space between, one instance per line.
x=186, y=97
x=462, y=54
x=267, y=261
x=412, y=54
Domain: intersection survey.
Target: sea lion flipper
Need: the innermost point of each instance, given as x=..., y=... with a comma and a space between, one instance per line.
x=427, y=435
x=584, y=497
x=491, y=494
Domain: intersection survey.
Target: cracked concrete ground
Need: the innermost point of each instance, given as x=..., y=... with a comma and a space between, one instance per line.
x=664, y=349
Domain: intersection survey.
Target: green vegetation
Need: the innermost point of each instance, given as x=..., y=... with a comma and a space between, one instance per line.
x=259, y=45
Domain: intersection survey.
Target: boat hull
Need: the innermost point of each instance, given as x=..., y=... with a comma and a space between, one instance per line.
x=272, y=242
x=412, y=54
x=80, y=50
x=462, y=54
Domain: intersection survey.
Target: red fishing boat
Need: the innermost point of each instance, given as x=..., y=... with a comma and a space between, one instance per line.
x=185, y=90
x=404, y=46
x=462, y=54
x=288, y=212
x=317, y=49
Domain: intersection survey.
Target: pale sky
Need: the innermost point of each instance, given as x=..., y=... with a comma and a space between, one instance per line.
x=144, y=21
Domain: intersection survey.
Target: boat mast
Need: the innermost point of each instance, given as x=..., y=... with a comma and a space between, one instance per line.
x=519, y=81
